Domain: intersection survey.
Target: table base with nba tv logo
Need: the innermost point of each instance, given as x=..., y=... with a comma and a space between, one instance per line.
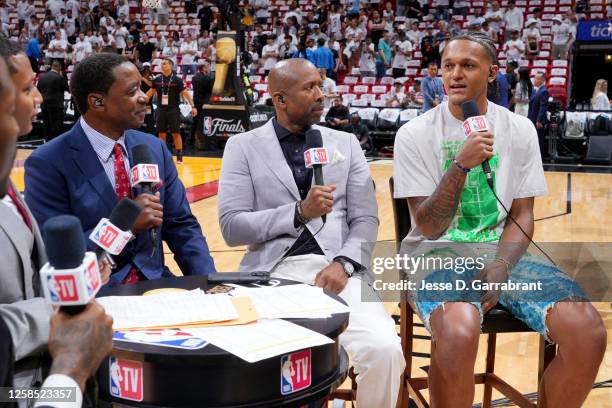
x=145, y=375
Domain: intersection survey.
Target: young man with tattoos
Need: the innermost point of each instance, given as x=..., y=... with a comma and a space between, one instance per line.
x=438, y=170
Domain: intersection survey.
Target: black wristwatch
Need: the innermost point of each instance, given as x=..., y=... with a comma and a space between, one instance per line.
x=349, y=268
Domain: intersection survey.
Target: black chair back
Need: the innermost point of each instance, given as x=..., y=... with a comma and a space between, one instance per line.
x=401, y=215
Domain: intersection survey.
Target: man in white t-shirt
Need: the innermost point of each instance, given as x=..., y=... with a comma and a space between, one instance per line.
x=495, y=16
x=455, y=212
x=189, y=50
x=57, y=49
x=513, y=19
x=561, y=38
x=514, y=47
x=82, y=49
x=328, y=88
x=269, y=54
x=403, y=52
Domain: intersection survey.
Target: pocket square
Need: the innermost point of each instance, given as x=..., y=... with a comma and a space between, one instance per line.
x=337, y=157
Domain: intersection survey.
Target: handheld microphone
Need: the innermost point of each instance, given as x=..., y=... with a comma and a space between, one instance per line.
x=112, y=235
x=474, y=122
x=145, y=173
x=315, y=157
x=71, y=278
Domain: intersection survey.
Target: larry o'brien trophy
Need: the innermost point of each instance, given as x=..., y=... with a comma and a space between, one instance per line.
x=226, y=114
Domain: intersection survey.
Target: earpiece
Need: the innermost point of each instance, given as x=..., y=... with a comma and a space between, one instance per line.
x=99, y=102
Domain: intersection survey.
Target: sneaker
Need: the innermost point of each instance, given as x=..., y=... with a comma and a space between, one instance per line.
x=179, y=157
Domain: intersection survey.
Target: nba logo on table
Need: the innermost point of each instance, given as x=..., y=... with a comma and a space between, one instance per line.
x=62, y=288
x=125, y=378
x=295, y=371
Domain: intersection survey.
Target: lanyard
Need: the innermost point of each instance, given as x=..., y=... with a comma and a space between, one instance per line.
x=166, y=86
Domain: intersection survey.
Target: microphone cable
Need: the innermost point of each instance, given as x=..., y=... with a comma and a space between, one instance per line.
x=312, y=236
x=519, y=225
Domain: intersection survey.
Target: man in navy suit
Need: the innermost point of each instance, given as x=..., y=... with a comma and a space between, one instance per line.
x=538, y=104
x=84, y=172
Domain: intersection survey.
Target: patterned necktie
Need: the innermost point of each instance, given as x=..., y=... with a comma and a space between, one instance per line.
x=122, y=181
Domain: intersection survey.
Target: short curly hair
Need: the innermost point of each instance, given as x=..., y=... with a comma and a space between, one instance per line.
x=93, y=74
x=8, y=49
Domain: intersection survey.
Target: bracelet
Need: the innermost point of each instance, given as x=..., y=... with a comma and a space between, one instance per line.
x=502, y=261
x=300, y=215
x=462, y=168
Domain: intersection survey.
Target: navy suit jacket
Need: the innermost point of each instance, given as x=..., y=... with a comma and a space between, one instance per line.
x=538, y=104
x=65, y=176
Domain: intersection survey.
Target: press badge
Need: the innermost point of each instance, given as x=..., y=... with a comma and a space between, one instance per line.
x=164, y=100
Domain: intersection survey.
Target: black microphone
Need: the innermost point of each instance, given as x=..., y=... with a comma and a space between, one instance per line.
x=141, y=175
x=470, y=109
x=123, y=216
x=314, y=141
x=71, y=276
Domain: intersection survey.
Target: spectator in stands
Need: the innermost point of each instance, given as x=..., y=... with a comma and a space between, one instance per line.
x=162, y=13
x=25, y=10
x=287, y=48
x=205, y=15
x=82, y=49
x=189, y=50
x=445, y=41
x=323, y=57
x=169, y=88
x=376, y=27
x=254, y=58
x=34, y=29
x=403, y=53
x=533, y=47
x=107, y=21
x=170, y=51
x=538, y=105
x=600, y=100
x=355, y=36
x=52, y=86
x=144, y=50
x=493, y=34
x=537, y=16
x=514, y=48
x=461, y=7
x=338, y=115
x=497, y=91
x=57, y=49
x=120, y=32
x=495, y=16
x=336, y=21
x=317, y=35
x=532, y=30
x=54, y=6
x=86, y=22
x=123, y=9
x=136, y=28
x=442, y=9
x=201, y=84
x=415, y=95
x=430, y=52
x=513, y=19
x=161, y=42
x=261, y=11
x=49, y=26
x=303, y=52
x=397, y=96
x=522, y=94
x=367, y=61
x=414, y=34
x=34, y=54
x=561, y=38
x=269, y=54
x=512, y=78
x=413, y=10
x=361, y=132
x=130, y=49
x=108, y=41
x=328, y=87
x=147, y=83
x=433, y=90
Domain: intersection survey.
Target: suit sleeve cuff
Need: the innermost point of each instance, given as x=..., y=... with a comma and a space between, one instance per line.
x=64, y=381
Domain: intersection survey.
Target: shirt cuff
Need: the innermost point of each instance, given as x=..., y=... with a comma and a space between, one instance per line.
x=64, y=381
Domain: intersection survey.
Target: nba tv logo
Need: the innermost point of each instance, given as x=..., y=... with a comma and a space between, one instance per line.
x=295, y=372
x=106, y=235
x=62, y=288
x=125, y=379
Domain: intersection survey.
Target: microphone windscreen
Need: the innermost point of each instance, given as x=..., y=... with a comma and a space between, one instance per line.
x=141, y=154
x=124, y=214
x=469, y=109
x=65, y=242
x=313, y=139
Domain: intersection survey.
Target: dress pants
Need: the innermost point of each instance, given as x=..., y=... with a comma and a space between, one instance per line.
x=370, y=338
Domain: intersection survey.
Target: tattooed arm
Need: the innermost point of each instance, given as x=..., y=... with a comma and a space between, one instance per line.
x=434, y=214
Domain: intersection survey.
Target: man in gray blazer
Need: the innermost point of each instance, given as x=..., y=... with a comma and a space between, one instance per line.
x=267, y=201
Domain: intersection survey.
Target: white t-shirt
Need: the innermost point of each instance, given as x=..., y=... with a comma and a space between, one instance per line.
x=81, y=50
x=188, y=59
x=55, y=6
x=514, y=53
x=425, y=146
x=601, y=102
x=268, y=62
x=107, y=22
x=561, y=33
x=367, y=62
x=400, y=59
x=514, y=19
x=70, y=25
x=531, y=32
x=355, y=34
x=120, y=35
x=336, y=25
x=328, y=88
x=494, y=14
x=57, y=43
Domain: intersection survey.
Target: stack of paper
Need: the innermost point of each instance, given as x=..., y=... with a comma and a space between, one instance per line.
x=168, y=310
x=264, y=339
x=291, y=302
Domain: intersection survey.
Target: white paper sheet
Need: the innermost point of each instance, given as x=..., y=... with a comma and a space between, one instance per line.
x=292, y=302
x=163, y=309
x=263, y=339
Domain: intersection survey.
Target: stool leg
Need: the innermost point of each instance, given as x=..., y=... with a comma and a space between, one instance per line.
x=488, y=390
x=546, y=354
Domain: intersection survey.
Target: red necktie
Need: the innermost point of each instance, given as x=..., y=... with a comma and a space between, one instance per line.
x=122, y=181
x=24, y=214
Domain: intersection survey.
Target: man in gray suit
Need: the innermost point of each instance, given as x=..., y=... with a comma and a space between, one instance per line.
x=267, y=201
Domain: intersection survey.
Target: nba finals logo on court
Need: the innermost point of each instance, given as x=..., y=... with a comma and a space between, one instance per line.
x=62, y=288
x=125, y=378
x=295, y=372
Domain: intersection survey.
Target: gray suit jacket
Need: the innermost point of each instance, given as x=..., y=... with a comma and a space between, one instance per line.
x=26, y=315
x=257, y=196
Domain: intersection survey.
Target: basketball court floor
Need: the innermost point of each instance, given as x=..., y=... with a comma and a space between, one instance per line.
x=578, y=208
